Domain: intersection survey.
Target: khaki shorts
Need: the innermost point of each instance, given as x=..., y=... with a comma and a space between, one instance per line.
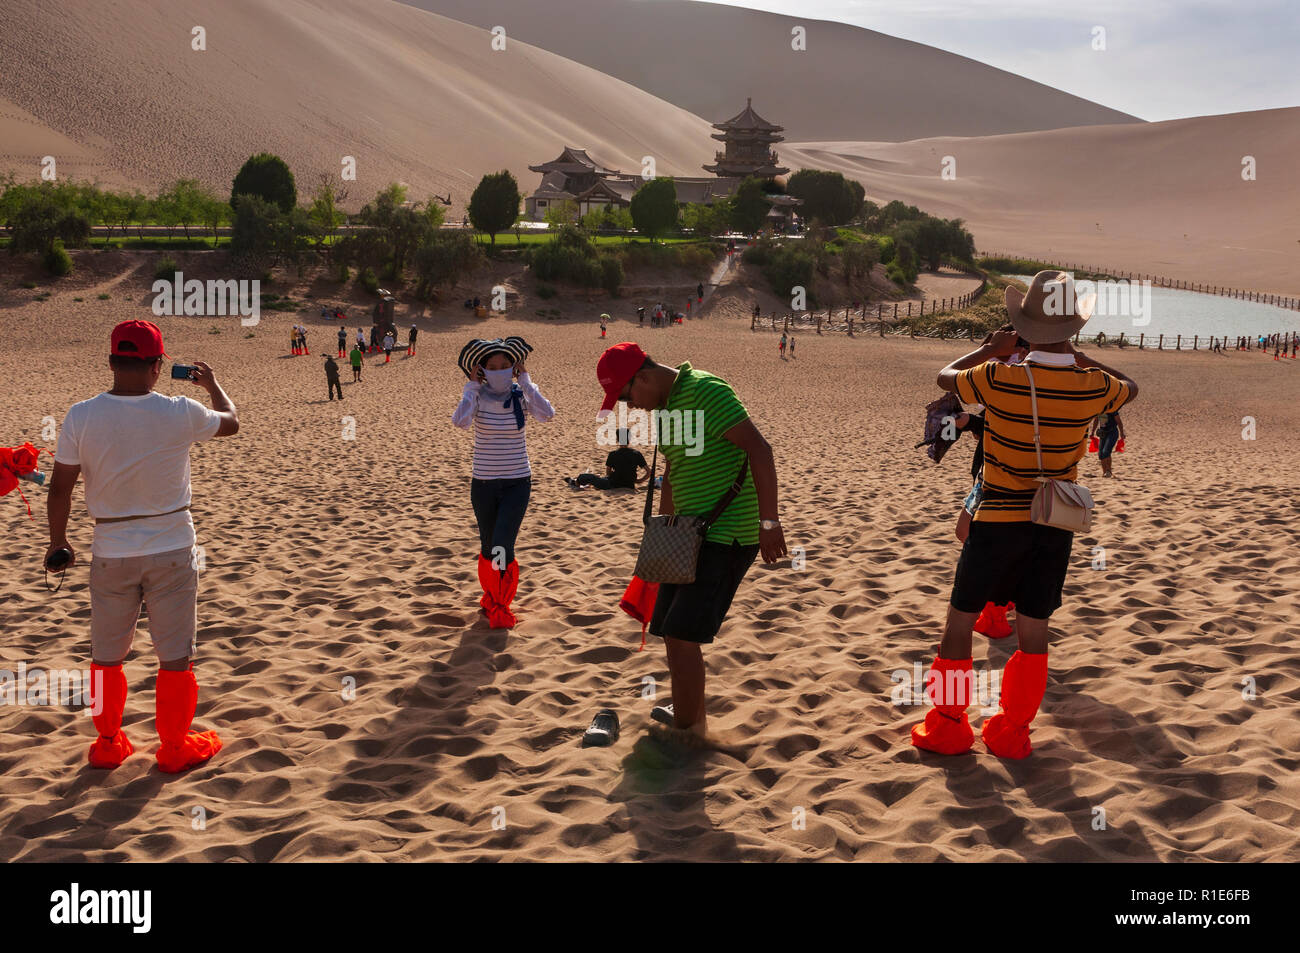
x=167, y=582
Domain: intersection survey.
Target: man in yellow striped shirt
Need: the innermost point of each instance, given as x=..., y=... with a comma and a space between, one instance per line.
x=1007, y=557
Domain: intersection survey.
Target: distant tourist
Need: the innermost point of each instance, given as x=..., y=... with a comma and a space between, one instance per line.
x=332, y=377
x=132, y=447
x=355, y=359
x=302, y=339
x=1108, y=432
x=499, y=395
x=781, y=346
x=792, y=347
x=361, y=339
x=410, y=340
x=697, y=477
x=343, y=340
x=699, y=292
x=1008, y=557
x=623, y=468
x=603, y=319
x=389, y=343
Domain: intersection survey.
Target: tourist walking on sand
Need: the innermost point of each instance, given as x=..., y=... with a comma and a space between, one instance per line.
x=726, y=449
x=355, y=358
x=1007, y=556
x=498, y=398
x=1107, y=437
x=302, y=338
x=132, y=446
x=361, y=339
x=603, y=319
x=343, y=340
x=410, y=340
x=781, y=346
x=699, y=293
x=332, y=381
x=792, y=347
x=389, y=343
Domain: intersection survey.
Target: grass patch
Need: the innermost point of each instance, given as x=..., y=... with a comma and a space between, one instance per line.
x=103, y=297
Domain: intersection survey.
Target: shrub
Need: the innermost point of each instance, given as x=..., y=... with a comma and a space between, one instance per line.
x=103, y=296
x=545, y=292
x=268, y=177
x=341, y=272
x=166, y=269
x=368, y=280
x=611, y=274
x=57, y=260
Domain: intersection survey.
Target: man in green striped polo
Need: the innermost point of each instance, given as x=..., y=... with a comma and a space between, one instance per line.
x=705, y=436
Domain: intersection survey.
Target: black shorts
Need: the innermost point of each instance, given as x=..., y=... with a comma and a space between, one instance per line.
x=1024, y=563
x=693, y=612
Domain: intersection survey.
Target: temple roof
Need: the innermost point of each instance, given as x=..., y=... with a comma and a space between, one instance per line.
x=748, y=121
x=573, y=161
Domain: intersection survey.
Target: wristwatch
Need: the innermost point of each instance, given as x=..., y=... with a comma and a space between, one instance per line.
x=769, y=524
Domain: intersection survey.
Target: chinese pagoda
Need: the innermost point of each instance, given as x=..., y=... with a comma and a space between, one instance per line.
x=749, y=139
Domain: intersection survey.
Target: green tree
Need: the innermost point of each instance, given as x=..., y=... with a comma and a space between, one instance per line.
x=268, y=177
x=750, y=206
x=43, y=215
x=325, y=212
x=654, y=207
x=494, y=206
x=443, y=259
x=827, y=196
x=561, y=214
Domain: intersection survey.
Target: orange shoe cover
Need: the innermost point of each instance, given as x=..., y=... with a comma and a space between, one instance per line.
x=507, y=584
x=487, y=577
x=993, y=621
x=946, y=729
x=177, y=695
x=111, y=748
x=1023, y=683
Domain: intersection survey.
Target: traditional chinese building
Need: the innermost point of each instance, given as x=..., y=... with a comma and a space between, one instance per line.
x=575, y=177
x=748, y=138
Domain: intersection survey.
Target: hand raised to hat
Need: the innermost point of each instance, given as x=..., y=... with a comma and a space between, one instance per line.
x=520, y=369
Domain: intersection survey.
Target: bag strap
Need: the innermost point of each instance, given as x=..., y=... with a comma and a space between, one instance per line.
x=1033, y=406
x=732, y=492
x=650, y=488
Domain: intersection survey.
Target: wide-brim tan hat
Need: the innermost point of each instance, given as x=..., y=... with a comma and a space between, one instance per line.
x=1050, y=311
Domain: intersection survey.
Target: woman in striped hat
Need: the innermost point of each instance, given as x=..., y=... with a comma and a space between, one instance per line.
x=498, y=396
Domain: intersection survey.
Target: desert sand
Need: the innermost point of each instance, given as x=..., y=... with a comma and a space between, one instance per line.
x=329, y=559
x=423, y=99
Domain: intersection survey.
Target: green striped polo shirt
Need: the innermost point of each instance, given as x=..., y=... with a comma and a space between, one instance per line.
x=703, y=464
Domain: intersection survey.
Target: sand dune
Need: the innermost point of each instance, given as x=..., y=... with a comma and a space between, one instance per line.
x=412, y=96
x=328, y=559
x=1166, y=198
x=850, y=83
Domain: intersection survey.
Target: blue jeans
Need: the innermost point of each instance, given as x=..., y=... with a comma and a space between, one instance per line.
x=499, y=507
x=1109, y=437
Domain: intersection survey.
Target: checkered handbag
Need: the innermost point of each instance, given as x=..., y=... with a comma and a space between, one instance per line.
x=670, y=546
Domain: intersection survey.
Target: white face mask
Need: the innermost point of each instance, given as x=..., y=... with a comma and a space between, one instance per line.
x=499, y=381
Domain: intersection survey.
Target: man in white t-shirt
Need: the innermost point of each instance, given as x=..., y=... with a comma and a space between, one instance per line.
x=132, y=445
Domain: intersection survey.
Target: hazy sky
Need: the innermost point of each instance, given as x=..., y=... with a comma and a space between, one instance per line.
x=1164, y=59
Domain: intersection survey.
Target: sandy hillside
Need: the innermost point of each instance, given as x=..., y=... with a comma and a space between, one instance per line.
x=328, y=559
x=1166, y=198
x=850, y=83
x=412, y=96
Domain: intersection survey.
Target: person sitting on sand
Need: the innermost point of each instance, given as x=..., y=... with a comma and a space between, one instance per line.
x=498, y=396
x=1108, y=432
x=1007, y=554
x=697, y=476
x=622, y=468
x=132, y=446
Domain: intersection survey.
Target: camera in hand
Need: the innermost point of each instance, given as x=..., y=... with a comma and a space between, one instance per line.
x=183, y=372
x=56, y=560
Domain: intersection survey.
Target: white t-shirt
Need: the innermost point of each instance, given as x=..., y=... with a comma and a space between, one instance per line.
x=134, y=454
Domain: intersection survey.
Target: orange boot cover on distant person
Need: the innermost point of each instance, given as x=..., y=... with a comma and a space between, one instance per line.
x=108, y=694
x=1023, y=682
x=946, y=729
x=177, y=696
x=993, y=621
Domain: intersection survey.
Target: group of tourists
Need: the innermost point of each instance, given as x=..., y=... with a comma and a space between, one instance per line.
x=1034, y=394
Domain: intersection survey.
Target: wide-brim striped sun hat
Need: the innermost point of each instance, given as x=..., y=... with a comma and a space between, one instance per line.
x=476, y=352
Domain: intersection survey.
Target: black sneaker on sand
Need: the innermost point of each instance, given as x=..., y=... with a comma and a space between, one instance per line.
x=603, y=731
x=664, y=715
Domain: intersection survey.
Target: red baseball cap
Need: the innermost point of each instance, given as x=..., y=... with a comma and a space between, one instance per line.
x=143, y=334
x=616, y=367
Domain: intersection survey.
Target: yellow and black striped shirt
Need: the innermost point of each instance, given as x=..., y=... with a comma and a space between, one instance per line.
x=1068, y=399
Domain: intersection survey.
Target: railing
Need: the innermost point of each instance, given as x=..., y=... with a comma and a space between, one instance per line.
x=1160, y=281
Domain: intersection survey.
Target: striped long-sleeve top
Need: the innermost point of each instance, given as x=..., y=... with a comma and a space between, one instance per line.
x=500, y=447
